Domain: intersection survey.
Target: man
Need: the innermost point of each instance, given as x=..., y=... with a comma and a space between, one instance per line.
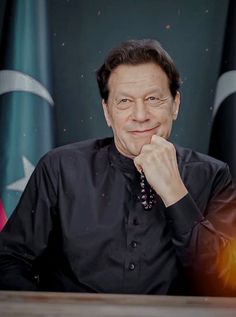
x=136, y=214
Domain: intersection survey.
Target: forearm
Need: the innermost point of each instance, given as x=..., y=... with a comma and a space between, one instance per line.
x=26, y=234
x=204, y=250
x=16, y=274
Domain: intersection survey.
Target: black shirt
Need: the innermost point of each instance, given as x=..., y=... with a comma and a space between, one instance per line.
x=80, y=227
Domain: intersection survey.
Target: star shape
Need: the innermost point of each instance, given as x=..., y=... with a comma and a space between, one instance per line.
x=20, y=184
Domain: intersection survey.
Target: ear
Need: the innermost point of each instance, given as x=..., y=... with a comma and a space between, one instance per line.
x=106, y=112
x=176, y=105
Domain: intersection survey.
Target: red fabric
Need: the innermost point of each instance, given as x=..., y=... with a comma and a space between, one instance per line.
x=3, y=216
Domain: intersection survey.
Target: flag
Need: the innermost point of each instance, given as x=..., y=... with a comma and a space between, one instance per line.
x=223, y=134
x=26, y=104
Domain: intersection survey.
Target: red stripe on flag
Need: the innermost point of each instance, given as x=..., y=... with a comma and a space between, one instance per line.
x=3, y=216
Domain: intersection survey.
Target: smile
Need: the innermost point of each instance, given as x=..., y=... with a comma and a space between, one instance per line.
x=144, y=132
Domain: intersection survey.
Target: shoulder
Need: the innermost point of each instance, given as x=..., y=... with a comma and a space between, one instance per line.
x=202, y=168
x=81, y=148
x=188, y=156
x=76, y=154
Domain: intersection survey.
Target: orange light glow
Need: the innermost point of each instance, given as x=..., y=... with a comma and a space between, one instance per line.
x=226, y=265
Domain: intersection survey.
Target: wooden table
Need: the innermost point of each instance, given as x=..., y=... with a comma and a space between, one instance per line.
x=38, y=304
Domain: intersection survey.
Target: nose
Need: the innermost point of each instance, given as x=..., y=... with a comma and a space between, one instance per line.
x=140, y=111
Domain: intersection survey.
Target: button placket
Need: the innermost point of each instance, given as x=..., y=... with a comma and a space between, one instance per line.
x=132, y=259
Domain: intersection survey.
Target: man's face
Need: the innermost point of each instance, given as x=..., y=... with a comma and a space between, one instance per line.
x=139, y=105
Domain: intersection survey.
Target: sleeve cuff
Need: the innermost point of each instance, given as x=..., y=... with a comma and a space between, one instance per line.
x=183, y=215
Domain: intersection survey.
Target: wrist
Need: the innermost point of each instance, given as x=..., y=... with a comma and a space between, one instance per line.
x=173, y=195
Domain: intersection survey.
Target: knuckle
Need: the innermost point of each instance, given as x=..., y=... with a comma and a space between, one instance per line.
x=146, y=148
x=154, y=138
x=172, y=147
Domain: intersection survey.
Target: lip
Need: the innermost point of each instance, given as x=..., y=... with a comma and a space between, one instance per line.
x=144, y=132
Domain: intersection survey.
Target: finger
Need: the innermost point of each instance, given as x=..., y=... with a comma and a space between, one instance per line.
x=161, y=142
x=147, y=148
x=156, y=139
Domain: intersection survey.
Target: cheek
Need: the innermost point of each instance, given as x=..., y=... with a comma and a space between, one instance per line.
x=164, y=116
x=118, y=119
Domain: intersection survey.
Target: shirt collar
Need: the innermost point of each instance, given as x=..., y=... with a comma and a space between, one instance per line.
x=122, y=162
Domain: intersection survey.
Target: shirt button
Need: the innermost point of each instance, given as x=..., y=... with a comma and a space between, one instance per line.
x=133, y=244
x=131, y=266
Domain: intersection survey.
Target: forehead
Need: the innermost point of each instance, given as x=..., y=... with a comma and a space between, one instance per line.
x=138, y=77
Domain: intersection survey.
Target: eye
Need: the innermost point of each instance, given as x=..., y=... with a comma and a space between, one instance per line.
x=124, y=103
x=155, y=101
x=124, y=100
x=152, y=98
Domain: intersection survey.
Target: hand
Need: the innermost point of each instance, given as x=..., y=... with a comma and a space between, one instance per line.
x=158, y=162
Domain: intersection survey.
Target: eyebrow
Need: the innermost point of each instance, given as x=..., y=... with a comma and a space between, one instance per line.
x=124, y=94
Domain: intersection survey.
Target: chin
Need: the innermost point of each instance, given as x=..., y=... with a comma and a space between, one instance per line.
x=136, y=149
x=132, y=148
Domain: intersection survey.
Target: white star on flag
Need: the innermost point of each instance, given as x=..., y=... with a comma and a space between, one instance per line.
x=20, y=184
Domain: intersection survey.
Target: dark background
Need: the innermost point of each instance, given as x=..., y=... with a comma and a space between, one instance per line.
x=83, y=31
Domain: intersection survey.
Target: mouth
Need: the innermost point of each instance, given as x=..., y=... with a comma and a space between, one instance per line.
x=146, y=132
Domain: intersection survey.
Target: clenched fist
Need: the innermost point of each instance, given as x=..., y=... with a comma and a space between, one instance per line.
x=158, y=162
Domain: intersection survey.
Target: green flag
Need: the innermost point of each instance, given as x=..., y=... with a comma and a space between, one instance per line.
x=26, y=105
x=223, y=134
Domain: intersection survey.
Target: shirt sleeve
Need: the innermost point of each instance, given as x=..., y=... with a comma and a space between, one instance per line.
x=26, y=234
x=205, y=241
